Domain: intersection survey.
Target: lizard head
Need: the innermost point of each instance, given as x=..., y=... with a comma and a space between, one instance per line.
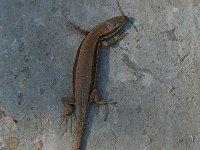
x=116, y=23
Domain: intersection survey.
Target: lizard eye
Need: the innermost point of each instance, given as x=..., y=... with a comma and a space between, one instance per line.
x=110, y=25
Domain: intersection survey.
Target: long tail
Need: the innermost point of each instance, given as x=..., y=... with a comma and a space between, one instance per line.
x=78, y=131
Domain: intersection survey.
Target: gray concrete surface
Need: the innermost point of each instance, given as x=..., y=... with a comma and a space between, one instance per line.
x=153, y=75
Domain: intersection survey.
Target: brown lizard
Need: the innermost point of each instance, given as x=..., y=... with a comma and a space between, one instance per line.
x=84, y=73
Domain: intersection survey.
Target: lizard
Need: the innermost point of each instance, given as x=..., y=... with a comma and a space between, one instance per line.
x=84, y=73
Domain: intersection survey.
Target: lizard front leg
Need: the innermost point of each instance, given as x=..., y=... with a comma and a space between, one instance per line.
x=77, y=29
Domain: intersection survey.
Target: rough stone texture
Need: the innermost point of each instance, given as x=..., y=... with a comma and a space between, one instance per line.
x=152, y=74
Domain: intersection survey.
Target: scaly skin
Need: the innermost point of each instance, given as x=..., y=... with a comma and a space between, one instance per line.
x=84, y=71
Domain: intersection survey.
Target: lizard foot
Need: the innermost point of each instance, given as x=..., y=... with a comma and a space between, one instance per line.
x=95, y=96
x=69, y=104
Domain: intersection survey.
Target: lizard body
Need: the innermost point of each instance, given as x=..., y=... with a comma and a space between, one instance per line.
x=84, y=73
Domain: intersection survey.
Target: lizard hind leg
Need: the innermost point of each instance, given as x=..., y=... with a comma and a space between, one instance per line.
x=95, y=96
x=68, y=102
